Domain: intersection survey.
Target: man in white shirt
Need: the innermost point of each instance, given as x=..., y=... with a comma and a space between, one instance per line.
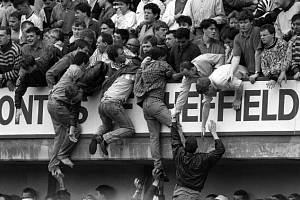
x=124, y=18
x=28, y=14
x=100, y=53
x=140, y=9
x=199, y=10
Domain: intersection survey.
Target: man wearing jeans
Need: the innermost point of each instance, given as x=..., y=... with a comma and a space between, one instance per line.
x=115, y=92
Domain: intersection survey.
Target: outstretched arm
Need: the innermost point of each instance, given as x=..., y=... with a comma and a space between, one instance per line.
x=205, y=112
x=176, y=141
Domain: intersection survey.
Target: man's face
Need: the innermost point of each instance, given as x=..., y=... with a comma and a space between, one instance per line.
x=101, y=45
x=296, y=26
x=105, y=29
x=4, y=38
x=32, y=38
x=149, y=17
x=22, y=8
x=14, y=23
x=170, y=40
x=266, y=37
x=161, y=33
x=133, y=45
x=182, y=42
x=122, y=7
x=245, y=25
x=121, y=57
x=117, y=39
x=76, y=31
x=146, y=47
x=50, y=38
x=234, y=23
x=184, y=25
x=210, y=32
x=80, y=16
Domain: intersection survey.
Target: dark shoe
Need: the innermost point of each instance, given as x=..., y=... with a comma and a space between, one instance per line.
x=103, y=146
x=93, y=146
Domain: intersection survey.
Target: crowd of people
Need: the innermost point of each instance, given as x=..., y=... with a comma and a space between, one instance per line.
x=118, y=47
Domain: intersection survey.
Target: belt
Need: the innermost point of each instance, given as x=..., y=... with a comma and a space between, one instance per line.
x=111, y=100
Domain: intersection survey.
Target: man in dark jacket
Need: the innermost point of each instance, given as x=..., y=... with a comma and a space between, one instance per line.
x=192, y=168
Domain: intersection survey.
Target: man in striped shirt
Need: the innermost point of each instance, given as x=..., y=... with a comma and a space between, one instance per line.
x=10, y=55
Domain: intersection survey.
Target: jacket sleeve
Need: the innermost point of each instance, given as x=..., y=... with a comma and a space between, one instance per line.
x=214, y=156
x=13, y=74
x=177, y=145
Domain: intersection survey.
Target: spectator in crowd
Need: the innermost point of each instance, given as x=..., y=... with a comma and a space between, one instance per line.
x=107, y=26
x=170, y=40
x=200, y=10
x=89, y=36
x=160, y=29
x=54, y=74
x=77, y=27
x=186, y=22
x=24, y=27
x=245, y=46
x=208, y=43
x=15, y=25
x=106, y=192
x=83, y=14
x=173, y=10
x=121, y=36
x=141, y=12
x=192, y=168
x=6, y=8
x=124, y=17
x=283, y=23
x=293, y=51
x=233, y=21
x=273, y=58
x=150, y=92
x=240, y=195
x=184, y=49
x=100, y=54
x=211, y=197
x=33, y=69
x=228, y=38
x=104, y=10
x=29, y=193
x=35, y=45
x=28, y=14
x=46, y=12
x=133, y=45
x=148, y=43
x=220, y=80
x=63, y=107
x=115, y=92
x=152, y=13
x=10, y=56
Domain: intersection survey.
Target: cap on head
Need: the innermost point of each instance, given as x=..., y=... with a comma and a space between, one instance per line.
x=191, y=144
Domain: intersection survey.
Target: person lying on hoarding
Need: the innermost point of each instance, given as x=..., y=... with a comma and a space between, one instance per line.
x=220, y=80
x=192, y=168
x=202, y=66
x=273, y=58
x=63, y=106
x=293, y=51
x=114, y=94
x=149, y=90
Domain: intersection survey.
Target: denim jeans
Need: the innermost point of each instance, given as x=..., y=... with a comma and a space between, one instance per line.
x=184, y=193
x=113, y=112
x=156, y=113
x=63, y=147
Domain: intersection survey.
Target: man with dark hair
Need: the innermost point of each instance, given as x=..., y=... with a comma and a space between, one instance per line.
x=152, y=13
x=14, y=22
x=121, y=36
x=103, y=41
x=148, y=43
x=24, y=27
x=106, y=192
x=10, y=57
x=124, y=17
x=240, y=195
x=192, y=168
x=245, y=47
x=170, y=39
x=160, y=31
x=63, y=107
x=29, y=193
x=35, y=45
x=183, y=50
x=273, y=57
x=140, y=11
x=114, y=93
x=83, y=14
x=184, y=22
x=58, y=69
x=107, y=26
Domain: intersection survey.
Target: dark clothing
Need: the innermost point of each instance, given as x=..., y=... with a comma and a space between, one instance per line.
x=231, y=5
x=94, y=26
x=192, y=168
x=216, y=47
x=269, y=18
x=178, y=55
x=106, y=13
x=36, y=51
